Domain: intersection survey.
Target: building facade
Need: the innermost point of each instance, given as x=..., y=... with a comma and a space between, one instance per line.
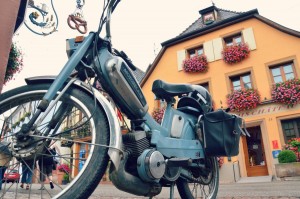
x=272, y=56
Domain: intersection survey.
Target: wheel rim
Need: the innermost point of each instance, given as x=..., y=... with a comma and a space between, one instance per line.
x=205, y=186
x=33, y=149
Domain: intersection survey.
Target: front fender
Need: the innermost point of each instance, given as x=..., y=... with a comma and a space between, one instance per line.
x=115, y=143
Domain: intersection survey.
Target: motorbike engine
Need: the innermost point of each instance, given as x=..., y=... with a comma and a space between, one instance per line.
x=151, y=165
x=140, y=167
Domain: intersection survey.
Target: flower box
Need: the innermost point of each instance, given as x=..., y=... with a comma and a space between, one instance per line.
x=195, y=64
x=287, y=92
x=235, y=53
x=289, y=159
x=158, y=114
x=243, y=99
x=287, y=169
x=14, y=64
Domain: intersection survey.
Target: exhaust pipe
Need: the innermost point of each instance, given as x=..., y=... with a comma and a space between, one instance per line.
x=130, y=183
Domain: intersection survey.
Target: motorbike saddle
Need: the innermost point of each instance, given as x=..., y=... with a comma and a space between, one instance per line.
x=167, y=91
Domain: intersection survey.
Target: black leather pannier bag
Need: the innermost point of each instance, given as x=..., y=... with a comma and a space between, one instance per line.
x=221, y=132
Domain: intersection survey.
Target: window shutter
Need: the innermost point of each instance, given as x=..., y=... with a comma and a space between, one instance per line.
x=218, y=47
x=180, y=58
x=249, y=38
x=209, y=51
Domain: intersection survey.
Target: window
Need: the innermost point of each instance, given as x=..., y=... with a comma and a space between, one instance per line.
x=205, y=85
x=291, y=128
x=241, y=82
x=208, y=18
x=283, y=72
x=233, y=40
x=195, y=51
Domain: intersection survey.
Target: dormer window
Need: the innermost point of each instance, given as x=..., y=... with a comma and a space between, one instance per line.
x=209, y=15
x=208, y=18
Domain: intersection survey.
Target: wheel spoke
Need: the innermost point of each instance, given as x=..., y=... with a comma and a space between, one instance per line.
x=204, y=186
x=75, y=111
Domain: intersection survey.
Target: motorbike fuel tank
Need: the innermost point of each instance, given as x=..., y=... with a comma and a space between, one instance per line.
x=122, y=86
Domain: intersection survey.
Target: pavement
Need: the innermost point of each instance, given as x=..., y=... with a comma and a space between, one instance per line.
x=254, y=187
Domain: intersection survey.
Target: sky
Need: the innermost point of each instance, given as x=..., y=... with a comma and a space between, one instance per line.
x=138, y=27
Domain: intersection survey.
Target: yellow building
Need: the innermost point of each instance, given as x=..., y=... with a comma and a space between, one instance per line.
x=274, y=53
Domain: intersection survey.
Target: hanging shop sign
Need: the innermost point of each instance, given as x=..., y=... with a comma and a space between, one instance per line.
x=41, y=17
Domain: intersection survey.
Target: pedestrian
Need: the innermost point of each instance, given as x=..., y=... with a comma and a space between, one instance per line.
x=5, y=157
x=27, y=171
x=46, y=163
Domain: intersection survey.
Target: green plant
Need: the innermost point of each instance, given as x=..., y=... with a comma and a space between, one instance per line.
x=293, y=145
x=66, y=177
x=27, y=114
x=22, y=119
x=287, y=156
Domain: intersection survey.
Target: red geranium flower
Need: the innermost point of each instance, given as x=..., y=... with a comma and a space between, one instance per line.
x=158, y=114
x=243, y=99
x=235, y=53
x=14, y=64
x=64, y=168
x=287, y=92
x=195, y=64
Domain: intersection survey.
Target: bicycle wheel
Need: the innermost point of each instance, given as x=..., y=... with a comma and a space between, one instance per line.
x=75, y=124
x=204, y=186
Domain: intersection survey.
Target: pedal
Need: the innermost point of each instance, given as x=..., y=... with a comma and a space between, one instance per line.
x=179, y=162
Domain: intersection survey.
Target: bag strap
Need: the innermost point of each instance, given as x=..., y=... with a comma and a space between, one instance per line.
x=241, y=122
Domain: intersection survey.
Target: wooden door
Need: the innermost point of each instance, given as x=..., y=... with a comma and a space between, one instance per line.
x=255, y=159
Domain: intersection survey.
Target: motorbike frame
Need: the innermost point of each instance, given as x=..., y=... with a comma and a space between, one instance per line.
x=182, y=145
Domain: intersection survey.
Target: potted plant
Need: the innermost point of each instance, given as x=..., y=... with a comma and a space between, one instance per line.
x=220, y=161
x=294, y=145
x=66, y=179
x=14, y=64
x=65, y=169
x=287, y=92
x=195, y=64
x=289, y=159
x=243, y=99
x=235, y=53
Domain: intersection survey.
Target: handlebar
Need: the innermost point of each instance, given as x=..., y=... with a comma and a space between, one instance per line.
x=111, y=7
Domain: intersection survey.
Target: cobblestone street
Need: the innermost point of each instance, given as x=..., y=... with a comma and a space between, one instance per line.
x=266, y=190
x=261, y=190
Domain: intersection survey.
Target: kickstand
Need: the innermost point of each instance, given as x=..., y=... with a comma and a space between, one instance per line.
x=172, y=191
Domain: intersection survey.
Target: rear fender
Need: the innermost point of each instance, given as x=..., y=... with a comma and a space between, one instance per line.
x=115, y=143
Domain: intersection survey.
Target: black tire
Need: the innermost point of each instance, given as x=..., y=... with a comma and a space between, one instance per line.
x=83, y=106
x=202, y=187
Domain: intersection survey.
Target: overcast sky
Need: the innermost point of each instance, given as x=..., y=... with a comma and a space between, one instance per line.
x=138, y=28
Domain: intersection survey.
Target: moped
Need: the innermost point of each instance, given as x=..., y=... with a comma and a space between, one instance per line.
x=69, y=110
